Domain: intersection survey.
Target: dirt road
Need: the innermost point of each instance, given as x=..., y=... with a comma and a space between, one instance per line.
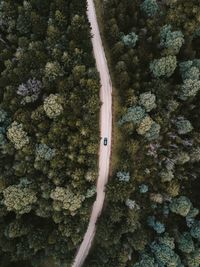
x=106, y=131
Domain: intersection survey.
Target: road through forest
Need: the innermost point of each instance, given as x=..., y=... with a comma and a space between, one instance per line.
x=105, y=131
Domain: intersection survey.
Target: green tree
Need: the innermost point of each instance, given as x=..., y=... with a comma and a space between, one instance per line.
x=163, y=67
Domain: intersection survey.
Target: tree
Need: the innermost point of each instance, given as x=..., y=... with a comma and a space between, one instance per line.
x=185, y=243
x=195, y=230
x=165, y=255
x=172, y=40
x=147, y=100
x=53, y=70
x=53, y=106
x=189, y=89
x=19, y=199
x=181, y=205
x=146, y=261
x=130, y=39
x=163, y=67
x=30, y=90
x=183, y=126
x=193, y=259
x=195, y=154
x=134, y=114
x=153, y=132
x=17, y=135
x=65, y=199
x=156, y=225
x=123, y=176
x=44, y=152
x=145, y=125
x=150, y=7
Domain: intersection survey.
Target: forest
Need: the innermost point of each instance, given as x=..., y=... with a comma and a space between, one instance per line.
x=151, y=215
x=49, y=130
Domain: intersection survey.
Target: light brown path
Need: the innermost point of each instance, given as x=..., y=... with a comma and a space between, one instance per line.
x=106, y=131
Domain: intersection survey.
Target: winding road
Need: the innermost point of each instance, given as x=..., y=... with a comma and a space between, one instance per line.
x=106, y=131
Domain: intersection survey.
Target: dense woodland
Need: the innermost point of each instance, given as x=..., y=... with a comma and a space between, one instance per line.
x=151, y=217
x=49, y=129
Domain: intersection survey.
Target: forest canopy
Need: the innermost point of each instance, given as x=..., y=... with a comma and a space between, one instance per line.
x=151, y=216
x=49, y=134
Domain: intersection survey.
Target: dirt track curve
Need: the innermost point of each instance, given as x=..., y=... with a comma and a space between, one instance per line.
x=106, y=131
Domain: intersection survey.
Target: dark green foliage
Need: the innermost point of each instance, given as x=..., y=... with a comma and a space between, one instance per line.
x=157, y=140
x=49, y=106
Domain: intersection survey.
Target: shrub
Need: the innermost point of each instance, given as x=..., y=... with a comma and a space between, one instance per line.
x=163, y=67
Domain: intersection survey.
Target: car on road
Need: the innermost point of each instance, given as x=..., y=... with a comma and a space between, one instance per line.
x=105, y=141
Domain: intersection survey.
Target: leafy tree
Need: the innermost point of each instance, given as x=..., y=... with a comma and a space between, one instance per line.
x=189, y=89
x=172, y=40
x=30, y=90
x=195, y=230
x=150, y=7
x=134, y=114
x=17, y=135
x=183, y=126
x=193, y=259
x=163, y=67
x=147, y=100
x=130, y=39
x=181, y=205
x=123, y=176
x=19, y=199
x=153, y=132
x=65, y=199
x=44, y=152
x=146, y=261
x=156, y=225
x=145, y=125
x=53, y=70
x=185, y=243
x=53, y=106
